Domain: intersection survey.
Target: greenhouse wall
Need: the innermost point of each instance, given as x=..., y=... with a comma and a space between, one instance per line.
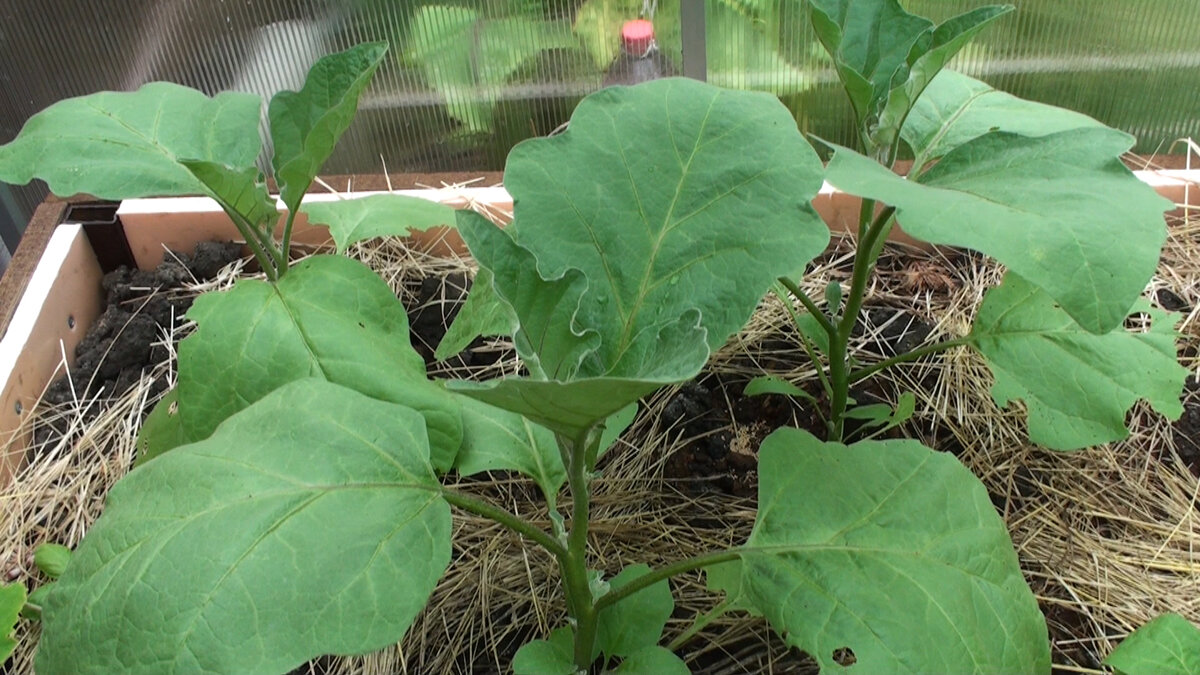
x=467, y=79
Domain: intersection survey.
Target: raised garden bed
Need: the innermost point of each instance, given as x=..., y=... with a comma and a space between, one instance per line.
x=294, y=489
x=1102, y=561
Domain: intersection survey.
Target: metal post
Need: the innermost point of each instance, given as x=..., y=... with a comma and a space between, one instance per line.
x=691, y=28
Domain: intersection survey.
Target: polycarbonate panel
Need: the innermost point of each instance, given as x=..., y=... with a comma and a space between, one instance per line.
x=1133, y=64
x=467, y=79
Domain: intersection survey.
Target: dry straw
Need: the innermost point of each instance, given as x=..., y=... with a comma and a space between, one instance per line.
x=1108, y=537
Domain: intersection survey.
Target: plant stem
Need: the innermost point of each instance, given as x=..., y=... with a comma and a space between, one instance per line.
x=574, y=561
x=809, y=305
x=286, y=247
x=266, y=261
x=654, y=576
x=863, y=373
x=864, y=262
x=509, y=520
x=809, y=349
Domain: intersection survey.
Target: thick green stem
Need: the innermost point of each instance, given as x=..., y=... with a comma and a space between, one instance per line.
x=285, y=248
x=654, y=576
x=864, y=262
x=840, y=383
x=864, y=373
x=266, y=260
x=574, y=562
x=509, y=520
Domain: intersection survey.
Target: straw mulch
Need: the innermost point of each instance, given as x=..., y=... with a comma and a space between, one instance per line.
x=1108, y=537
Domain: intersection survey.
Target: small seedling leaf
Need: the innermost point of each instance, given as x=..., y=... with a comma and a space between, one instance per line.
x=162, y=429
x=329, y=317
x=354, y=220
x=52, y=559
x=554, y=656
x=1076, y=385
x=887, y=569
x=1049, y=208
x=1168, y=645
x=636, y=622
x=12, y=600
x=310, y=523
x=656, y=660
x=306, y=124
x=121, y=145
x=773, y=384
x=482, y=315
x=833, y=297
x=33, y=604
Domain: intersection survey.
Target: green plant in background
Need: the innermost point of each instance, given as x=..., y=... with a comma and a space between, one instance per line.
x=471, y=54
x=469, y=58
x=288, y=501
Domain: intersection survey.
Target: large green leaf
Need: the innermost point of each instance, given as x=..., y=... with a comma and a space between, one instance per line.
x=1076, y=385
x=886, y=57
x=12, y=599
x=124, y=145
x=699, y=199
x=330, y=317
x=893, y=551
x=310, y=523
x=1050, y=208
x=548, y=337
x=499, y=440
x=1168, y=645
x=624, y=270
x=468, y=58
x=956, y=108
x=306, y=125
x=353, y=220
x=636, y=622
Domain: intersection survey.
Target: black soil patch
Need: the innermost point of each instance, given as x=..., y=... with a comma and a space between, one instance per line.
x=125, y=342
x=437, y=301
x=1186, y=430
x=721, y=430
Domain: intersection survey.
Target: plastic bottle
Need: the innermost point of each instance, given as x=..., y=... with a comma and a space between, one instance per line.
x=640, y=59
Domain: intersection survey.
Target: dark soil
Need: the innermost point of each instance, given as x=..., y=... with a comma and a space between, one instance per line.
x=722, y=429
x=1186, y=431
x=140, y=308
x=437, y=302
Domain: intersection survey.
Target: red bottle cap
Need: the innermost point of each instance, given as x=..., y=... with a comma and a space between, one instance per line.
x=637, y=36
